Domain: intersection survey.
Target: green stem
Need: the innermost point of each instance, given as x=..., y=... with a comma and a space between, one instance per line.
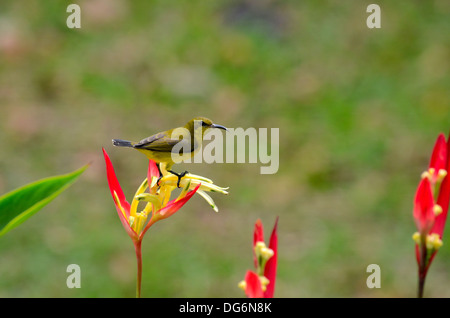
x=137, y=247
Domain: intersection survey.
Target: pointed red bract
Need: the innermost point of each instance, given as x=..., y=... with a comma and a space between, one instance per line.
x=439, y=156
x=174, y=205
x=444, y=196
x=270, y=271
x=253, y=287
x=153, y=171
x=114, y=187
x=423, y=207
x=258, y=236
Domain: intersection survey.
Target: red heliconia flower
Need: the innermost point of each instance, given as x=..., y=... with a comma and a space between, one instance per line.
x=128, y=214
x=431, y=205
x=158, y=206
x=265, y=262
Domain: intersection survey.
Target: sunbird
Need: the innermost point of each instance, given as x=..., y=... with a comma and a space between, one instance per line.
x=181, y=142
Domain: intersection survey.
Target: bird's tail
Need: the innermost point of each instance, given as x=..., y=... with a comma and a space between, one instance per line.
x=122, y=143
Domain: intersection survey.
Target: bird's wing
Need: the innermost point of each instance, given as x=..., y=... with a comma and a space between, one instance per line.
x=158, y=142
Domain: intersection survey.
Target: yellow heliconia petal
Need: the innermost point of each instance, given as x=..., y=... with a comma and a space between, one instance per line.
x=173, y=178
x=165, y=192
x=139, y=223
x=153, y=185
x=199, y=178
x=184, y=191
x=131, y=220
x=134, y=203
x=148, y=208
x=160, y=192
x=208, y=199
x=154, y=199
x=116, y=199
x=210, y=187
x=213, y=188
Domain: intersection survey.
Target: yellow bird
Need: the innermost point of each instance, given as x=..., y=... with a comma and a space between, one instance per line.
x=178, y=143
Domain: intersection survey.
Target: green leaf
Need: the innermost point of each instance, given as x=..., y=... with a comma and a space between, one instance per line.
x=18, y=205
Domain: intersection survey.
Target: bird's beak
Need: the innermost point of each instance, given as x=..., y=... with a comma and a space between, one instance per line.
x=219, y=126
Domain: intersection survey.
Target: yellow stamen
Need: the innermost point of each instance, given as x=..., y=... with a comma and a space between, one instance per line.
x=264, y=282
x=258, y=247
x=425, y=174
x=437, y=209
x=416, y=237
x=441, y=175
x=433, y=242
x=431, y=171
x=242, y=285
x=267, y=252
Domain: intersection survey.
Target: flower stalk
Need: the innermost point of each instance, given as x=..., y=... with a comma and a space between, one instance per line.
x=138, y=249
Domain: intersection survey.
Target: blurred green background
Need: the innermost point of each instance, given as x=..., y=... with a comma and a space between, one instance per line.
x=358, y=111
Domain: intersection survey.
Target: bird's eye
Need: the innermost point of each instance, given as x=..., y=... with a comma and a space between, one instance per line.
x=204, y=124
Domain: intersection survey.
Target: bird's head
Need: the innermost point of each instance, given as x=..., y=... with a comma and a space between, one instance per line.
x=203, y=124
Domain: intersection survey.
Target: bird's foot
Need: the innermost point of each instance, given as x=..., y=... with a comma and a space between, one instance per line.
x=159, y=179
x=160, y=175
x=179, y=175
